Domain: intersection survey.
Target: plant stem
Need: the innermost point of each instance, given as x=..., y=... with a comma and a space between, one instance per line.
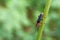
x=44, y=19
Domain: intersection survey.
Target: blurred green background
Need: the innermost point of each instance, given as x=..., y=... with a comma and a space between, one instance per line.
x=18, y=19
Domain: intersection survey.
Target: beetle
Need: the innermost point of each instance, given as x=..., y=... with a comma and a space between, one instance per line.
x=40, y=17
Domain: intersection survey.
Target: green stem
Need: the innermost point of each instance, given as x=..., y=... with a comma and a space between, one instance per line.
x=44, y=19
